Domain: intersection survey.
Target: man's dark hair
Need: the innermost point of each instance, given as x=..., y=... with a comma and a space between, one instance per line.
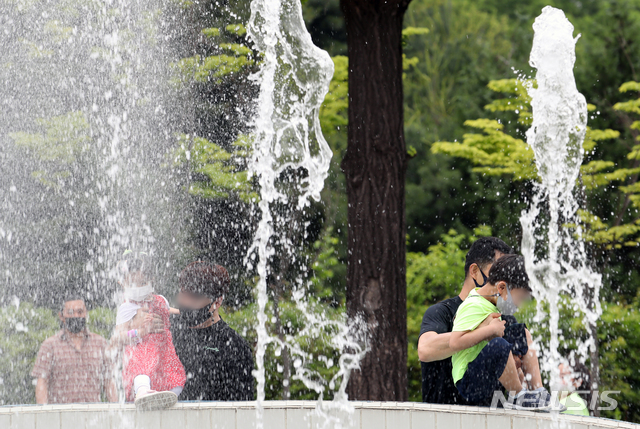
x=204, y=278
x=71, y=297
x=511, y=270
x=483, y=252
x=137, y=262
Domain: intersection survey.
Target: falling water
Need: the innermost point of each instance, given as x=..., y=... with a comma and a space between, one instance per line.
x=84, y=136
x=93, y=122
x=294, y=79
x=554, y=251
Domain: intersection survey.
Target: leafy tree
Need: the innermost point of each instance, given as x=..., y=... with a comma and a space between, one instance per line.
x=24, y=328
x=84, y=115
x=466, y=47
x=496, y=153
x=212, y=63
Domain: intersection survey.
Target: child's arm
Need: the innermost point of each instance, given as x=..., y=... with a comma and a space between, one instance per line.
x=173, y=310
x=119, y=336
x=461, y=340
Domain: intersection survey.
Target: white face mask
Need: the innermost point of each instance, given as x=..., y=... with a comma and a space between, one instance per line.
x=138, y=293
x=506, y=307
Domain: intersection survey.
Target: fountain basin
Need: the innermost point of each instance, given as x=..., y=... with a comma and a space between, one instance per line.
x=285, y=415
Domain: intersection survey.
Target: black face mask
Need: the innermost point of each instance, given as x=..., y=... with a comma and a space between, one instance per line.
x=75, y=324
x=194, y=316
x=485, y=278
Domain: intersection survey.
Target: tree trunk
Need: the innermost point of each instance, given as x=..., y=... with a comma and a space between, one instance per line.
x=375, y=168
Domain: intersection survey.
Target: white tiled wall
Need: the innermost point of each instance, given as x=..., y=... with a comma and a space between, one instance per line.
x=289, y=415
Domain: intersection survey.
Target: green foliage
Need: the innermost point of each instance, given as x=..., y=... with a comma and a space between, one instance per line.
x=333, y=112
x=24, y=328
x=495, y=152
x=415, y=31
x=325, y=266
x=62, y=137
x=58, y=143
x=618, y=336
x=237, y=29
x=221, y=171
x=101, y=321
x=211, y=32
x=214, y=68
x=319, y=356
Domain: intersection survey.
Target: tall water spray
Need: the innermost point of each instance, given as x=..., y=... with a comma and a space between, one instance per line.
x=99, y=99
x=552, y=243
x=84, y=131
x=288, y=141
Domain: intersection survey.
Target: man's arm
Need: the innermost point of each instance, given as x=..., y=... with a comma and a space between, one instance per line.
x=462, y=340
x=433, y=346
x=143, y=321
x=42, y=391
x=42, y=371
x=433, y=343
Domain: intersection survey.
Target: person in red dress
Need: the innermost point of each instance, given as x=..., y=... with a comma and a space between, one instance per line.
x=153, y=376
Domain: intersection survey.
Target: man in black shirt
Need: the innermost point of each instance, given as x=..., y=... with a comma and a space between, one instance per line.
x=217, y=360
x=433, y=344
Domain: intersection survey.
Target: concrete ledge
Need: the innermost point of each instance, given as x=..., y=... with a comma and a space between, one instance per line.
x=289, y=415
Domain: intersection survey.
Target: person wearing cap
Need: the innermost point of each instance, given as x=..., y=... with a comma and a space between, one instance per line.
x=217, y=360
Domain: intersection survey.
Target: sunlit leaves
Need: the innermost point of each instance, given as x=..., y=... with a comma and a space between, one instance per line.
x=493, y=152
x=210, y=69
x=333, y=112
x=496, y=153
x=231, y=58
x=59, y=138
x=57, y=142
x=221, y=171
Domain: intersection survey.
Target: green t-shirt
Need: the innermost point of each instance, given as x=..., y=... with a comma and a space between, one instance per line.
x=471, y=313
x=575, y=405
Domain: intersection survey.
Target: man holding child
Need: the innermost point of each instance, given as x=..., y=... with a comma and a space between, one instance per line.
x=443, y=378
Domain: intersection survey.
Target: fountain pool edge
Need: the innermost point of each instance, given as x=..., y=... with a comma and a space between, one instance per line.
x=285, y=415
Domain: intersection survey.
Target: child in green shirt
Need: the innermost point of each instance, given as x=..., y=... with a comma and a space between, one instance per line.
x=483, y=360
x=572, y=381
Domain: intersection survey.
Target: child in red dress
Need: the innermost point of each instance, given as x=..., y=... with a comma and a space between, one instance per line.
x=153, y=376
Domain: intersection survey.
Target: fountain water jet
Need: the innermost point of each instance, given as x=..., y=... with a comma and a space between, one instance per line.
x=558, y=262
x=294, y=80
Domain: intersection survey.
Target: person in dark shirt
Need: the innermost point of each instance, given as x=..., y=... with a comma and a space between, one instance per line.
x=437, y=323
x=217, y=360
